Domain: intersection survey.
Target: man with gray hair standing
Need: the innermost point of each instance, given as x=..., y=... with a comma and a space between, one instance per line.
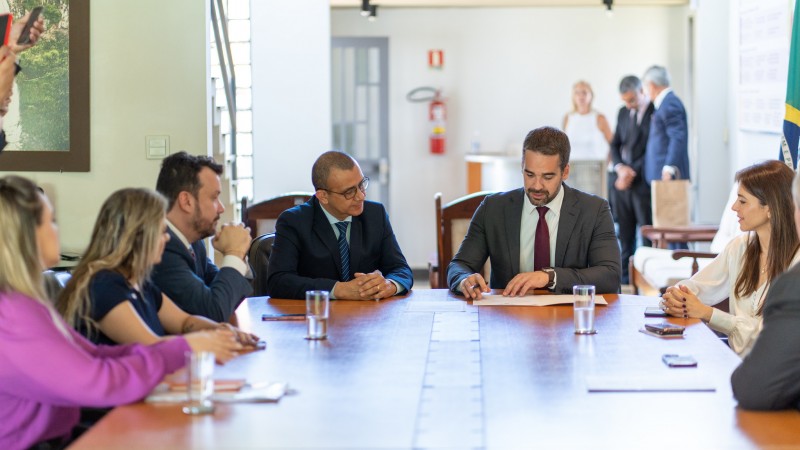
x=631, y=193
x=667, y=154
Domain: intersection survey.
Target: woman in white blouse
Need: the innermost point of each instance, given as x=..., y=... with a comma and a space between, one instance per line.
x=744, y=271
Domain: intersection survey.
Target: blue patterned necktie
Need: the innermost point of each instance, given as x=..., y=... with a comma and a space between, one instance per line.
x=344, y=250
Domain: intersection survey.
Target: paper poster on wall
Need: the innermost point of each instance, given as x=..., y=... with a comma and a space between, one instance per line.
x=763, y=62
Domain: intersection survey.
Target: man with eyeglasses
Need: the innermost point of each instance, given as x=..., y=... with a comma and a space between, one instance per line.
x=337, y=241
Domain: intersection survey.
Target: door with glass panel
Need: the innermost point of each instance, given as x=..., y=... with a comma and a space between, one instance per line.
x=360, y=90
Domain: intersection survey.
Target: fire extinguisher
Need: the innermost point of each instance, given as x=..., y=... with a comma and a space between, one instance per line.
x=437, y=115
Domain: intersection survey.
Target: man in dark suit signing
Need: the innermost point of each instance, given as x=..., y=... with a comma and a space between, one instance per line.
x=630, y=196
x=185, y=274
x=769, y=376
x=337, y=241
x=544, y=235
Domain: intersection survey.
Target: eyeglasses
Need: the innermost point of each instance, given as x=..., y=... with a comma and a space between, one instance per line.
x=351, y=193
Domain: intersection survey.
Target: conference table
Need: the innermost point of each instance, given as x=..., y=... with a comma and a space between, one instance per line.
x=431, y=370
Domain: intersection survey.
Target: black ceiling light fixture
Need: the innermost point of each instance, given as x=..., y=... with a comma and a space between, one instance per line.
x=365, y=8
x=373, y=13
x=609, y=4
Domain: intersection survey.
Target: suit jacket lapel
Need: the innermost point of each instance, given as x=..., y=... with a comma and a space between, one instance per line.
x=324, y=231
x=566, y=223
x=176, y=242
x=513, y=218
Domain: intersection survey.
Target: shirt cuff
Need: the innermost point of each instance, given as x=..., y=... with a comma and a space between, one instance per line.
x=672, y=170
x=333, y=289
x=237, y=263
x=400, y=289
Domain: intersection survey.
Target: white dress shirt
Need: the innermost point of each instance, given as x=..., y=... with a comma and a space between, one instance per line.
x=527, y=230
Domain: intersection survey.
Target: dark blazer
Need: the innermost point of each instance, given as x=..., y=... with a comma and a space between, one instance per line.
x=305, y=255
x=197, y=286
x=587, y=251
x=668, y=143
x=769, y=376
x=628, y=135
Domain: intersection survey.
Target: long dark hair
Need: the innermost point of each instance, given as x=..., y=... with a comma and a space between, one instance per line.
x=771, y=183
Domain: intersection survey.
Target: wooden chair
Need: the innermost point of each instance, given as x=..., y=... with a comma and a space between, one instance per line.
x=661, y=238
x=261, y=217
x=452, y=221
x=258, y=256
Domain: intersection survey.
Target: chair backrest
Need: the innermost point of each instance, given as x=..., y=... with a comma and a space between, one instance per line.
x=54, y=283
x=261, y=217
x=258, y=255
x=452, y=222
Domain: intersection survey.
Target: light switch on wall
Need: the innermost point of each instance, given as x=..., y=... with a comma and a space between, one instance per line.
x=157, y=147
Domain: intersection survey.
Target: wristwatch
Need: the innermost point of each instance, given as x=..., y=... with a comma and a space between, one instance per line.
x=551, y=277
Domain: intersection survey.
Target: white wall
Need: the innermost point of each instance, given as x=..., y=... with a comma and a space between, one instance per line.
x=711, y=168
x=291, y=92
x=142, y=83
x=506, y=71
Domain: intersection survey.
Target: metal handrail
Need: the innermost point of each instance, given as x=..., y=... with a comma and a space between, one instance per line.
x=220, y=25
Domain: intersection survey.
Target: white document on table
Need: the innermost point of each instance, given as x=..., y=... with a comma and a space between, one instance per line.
x=673, y=382
x=531, y=300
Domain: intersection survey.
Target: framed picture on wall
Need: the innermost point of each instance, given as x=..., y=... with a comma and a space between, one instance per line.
x=47, y=125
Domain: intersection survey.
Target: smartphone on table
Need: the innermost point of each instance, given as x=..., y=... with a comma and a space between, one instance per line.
x=679, y=361
x=664, y=329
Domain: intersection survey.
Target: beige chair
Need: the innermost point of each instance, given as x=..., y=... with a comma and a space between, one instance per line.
x=262, y=216
x=653, y=269
x=452, y=222
x=651, y=261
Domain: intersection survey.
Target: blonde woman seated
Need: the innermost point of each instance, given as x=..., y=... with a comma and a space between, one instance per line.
x=744, y=271
x=110, y=297
x=47, y=370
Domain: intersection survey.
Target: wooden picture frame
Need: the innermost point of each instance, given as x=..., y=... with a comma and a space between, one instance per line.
x=77, y=158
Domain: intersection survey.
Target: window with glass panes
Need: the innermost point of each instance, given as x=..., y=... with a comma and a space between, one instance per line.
x=237, y=13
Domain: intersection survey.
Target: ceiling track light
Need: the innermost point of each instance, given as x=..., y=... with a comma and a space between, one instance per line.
x=609, y=4
x=365, y=10
x=373, y=13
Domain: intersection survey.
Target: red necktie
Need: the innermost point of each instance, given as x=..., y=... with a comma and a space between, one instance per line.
x=541, y=243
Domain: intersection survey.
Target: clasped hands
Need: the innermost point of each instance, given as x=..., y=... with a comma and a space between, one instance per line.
x=679, y=301
x=474, y=286
x=625, y=177
x=365, y=286
x=232, y=239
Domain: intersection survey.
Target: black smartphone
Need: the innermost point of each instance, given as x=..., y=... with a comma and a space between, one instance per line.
x=664, y=329
x=25, y=35
x=654, y=311
x=679, y=361
x=5, y=26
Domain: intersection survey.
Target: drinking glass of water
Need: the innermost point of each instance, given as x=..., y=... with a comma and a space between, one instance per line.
x=583, y=308
x=317, y=308
x=200, y=386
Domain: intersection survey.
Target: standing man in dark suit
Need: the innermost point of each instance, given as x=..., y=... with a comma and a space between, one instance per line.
x=545, y=235
x=186, y=274
x=337, y=241
x=667, y=155
x=769, y=376
x=631, y=193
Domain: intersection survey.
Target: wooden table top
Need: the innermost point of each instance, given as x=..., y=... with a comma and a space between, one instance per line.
x=430, y=370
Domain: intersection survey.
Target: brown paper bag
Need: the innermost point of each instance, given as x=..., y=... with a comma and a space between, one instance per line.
x=670, y=200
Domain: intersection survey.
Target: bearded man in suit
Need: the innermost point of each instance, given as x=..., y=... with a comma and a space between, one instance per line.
x=545, y=235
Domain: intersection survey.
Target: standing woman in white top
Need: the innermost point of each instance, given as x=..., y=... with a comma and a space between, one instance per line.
x=587, y=129
x=744, y=271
